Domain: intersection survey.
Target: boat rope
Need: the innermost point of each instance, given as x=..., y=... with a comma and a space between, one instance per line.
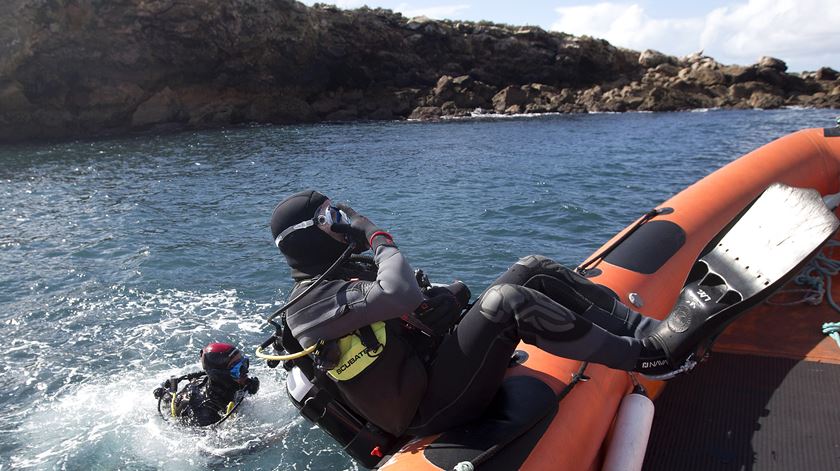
x=815, y=281
x=595, y=260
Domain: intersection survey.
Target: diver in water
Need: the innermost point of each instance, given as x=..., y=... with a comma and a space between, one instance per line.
x=210, y=396
x=402, y=356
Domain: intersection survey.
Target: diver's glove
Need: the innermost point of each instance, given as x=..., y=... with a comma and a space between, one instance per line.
x=439, y=312
x=171, y=384
x=165, y=387
x=253, y=386
x=362, y=231
x=443, y=306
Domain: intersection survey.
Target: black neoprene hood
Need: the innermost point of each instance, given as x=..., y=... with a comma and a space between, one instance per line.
x=309, y=252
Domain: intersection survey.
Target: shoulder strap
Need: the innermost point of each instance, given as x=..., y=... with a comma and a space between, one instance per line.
x=368, y=338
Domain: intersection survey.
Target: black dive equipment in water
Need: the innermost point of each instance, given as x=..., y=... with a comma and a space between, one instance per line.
x=180, y=399
x=212, y=395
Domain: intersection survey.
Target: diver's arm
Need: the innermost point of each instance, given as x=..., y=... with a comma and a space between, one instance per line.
x=338, y=310
x=343, y=307
x=394, y=292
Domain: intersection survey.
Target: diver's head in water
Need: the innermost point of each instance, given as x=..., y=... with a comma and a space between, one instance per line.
x=225, y=365
x=300, y=226
x=209, y=396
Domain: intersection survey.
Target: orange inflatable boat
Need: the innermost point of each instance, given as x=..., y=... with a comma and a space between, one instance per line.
x=552, y=413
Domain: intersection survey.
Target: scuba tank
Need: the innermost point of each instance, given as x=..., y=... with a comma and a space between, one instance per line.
x=315, y=395
x=360, y=439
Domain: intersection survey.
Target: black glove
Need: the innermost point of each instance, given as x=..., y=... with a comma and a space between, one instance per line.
x=461, y=292
x=253, y=386
x=167, y=386
x=361, y=230
x=441, y=311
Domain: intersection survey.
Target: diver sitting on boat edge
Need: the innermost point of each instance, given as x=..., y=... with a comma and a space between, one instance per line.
x=398, y=388
x=212, y=395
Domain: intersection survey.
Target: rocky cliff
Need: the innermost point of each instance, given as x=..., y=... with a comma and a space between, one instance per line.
x=71, y=68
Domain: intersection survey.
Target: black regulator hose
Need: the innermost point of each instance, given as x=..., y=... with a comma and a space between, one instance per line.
x=343, y=257
x=279, y=328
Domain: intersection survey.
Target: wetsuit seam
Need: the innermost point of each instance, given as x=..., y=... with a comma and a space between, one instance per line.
x=626, y=314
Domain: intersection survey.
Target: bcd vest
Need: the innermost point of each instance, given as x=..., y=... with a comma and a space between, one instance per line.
x=358, y=351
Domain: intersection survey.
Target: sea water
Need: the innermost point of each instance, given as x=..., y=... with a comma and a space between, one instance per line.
x=121, y=258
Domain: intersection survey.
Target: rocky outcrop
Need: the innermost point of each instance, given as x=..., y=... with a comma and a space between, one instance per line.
x=458, y=96
x=671, y=84
x=72, y=68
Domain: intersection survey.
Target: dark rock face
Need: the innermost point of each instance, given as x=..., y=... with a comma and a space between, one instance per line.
x=73, y=68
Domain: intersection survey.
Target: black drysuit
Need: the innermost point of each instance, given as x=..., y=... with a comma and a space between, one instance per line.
x=203, y=402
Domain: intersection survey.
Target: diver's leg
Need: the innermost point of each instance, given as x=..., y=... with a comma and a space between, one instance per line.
x=468, y=368
x=589, y=300
x=559, y=330
x=471, y=362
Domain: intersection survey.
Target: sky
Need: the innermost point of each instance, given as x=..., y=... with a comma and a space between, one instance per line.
x=803, y=33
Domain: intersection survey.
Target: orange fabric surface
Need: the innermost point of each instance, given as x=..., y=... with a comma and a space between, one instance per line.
x=784, y=331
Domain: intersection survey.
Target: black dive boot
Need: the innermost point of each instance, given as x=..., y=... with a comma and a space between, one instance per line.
x=654, y=363
x=683, y=338
x=767, y=244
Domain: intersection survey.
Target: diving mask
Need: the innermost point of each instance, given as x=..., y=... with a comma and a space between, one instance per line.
x=325, y=215
x=240, y=368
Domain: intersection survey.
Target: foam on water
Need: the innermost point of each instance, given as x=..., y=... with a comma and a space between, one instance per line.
x=103, y=413
x=107, y=423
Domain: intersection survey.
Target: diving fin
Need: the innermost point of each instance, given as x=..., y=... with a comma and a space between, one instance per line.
x=755, y=255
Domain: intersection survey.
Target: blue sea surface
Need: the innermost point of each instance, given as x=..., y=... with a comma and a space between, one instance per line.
x=121, y=258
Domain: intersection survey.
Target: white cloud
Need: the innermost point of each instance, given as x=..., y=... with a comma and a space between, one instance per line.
x=436, y=12
x=628, y=25
x=804, y=33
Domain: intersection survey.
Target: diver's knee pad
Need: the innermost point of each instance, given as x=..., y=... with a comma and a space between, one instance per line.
x=542, y=319
x=536, y=315
x=540, y=264
x=499, y=303
x=532, y=261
